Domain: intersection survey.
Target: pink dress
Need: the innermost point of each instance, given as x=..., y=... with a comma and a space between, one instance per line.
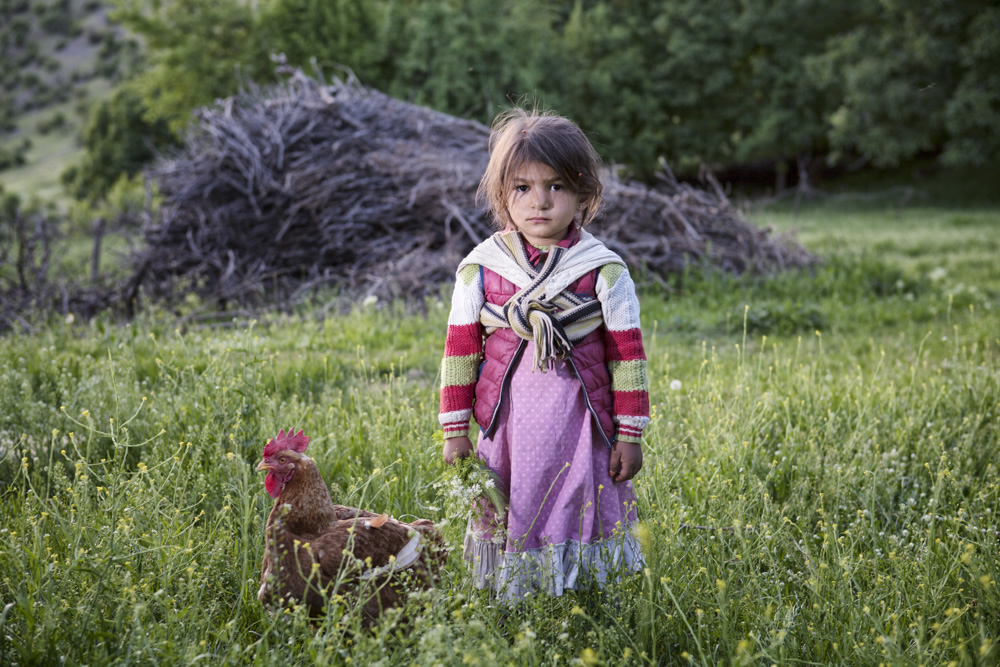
x=568, y=524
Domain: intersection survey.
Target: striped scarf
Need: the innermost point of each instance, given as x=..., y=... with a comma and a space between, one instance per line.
x=553, y=324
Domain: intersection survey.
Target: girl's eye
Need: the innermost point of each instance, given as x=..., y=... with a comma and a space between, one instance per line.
x=556, y=187
x=520, y=188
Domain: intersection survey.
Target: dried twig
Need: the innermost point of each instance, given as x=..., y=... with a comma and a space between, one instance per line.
x=307, y=184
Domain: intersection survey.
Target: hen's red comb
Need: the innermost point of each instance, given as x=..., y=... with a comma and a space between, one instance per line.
x=290, y=440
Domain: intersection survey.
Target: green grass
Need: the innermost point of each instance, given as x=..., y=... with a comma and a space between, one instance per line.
x=822, y=488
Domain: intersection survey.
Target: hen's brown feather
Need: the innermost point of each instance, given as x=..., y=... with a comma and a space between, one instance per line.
x=314, y=548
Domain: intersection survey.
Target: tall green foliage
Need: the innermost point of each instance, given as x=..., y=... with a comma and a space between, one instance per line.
x=611, y=78
x=471, y=57
x=913, y=78
x=333, y=32
x=200, y=50
x=120, y=139
x=972, y=115
x=719, y=81
x=463, y=57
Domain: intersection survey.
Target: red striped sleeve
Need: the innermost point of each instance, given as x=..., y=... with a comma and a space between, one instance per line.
x=457, y=397
x=631, y=403
x=624, y=345
x=463, y=340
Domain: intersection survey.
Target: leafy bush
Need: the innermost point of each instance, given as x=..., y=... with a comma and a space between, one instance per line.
x=11, y=157
x=15, y=6
x=29, y=56
x=56, y=21
x=110, y=45
x=7, y=114
x=19, y=29
x=56, y=121
x=119, y=140
x=784, y=318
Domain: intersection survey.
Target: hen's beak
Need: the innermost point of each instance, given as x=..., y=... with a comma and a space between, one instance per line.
x=264, y=465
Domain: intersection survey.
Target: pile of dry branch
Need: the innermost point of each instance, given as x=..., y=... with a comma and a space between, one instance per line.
x=307, y=184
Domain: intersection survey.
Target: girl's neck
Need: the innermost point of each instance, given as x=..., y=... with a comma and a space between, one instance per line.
x=572, y=234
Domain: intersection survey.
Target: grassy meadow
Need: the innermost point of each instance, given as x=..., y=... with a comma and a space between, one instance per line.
x=821, y=487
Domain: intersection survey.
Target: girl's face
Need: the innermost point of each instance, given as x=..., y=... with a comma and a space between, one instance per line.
x=540, y=205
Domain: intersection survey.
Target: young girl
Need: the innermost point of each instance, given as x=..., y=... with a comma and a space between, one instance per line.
x=544, y=350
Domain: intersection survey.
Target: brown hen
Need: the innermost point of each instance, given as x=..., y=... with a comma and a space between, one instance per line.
x=314, y=549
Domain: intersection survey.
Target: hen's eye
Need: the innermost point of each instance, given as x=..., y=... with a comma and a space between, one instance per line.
x=282, y=459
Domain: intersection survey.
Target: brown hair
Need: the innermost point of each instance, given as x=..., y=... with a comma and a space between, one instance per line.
x=519, y=137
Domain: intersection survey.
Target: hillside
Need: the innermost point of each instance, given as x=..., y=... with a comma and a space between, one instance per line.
x=56, y=58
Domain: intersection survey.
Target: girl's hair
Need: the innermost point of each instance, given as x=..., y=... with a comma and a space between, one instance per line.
x=519, y=137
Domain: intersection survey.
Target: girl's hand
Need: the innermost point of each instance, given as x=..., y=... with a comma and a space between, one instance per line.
x=626, y=461
x=457, y=448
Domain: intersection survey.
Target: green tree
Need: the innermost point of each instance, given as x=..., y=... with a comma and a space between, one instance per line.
x=782, y=108
x=913, y=78
x=119, y=139
x=332, y=33
x=472, y=57
x=199, y=50
x=650, y=79
x=463, y=57
x=717, y=81
x=972, y=115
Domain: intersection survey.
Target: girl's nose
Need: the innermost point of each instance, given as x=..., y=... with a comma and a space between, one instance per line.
x=542, y=199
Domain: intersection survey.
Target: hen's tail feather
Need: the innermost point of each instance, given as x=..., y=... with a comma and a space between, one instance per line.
x=407, y=556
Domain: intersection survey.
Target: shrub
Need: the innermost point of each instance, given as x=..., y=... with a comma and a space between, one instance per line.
x=119, y=140
x=56, y=122
x=57, y=22
x=28, y=57
x=783, y=318
x=30, y=80
x=19, y=29
x=110, y=46
x=14, y=157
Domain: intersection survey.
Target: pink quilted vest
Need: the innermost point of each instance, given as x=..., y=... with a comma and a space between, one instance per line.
x=504, y=347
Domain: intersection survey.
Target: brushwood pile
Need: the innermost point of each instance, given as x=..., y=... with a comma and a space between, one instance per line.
x=304, y=185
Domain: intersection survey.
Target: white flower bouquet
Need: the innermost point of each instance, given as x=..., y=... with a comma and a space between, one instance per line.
x=468, y=483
